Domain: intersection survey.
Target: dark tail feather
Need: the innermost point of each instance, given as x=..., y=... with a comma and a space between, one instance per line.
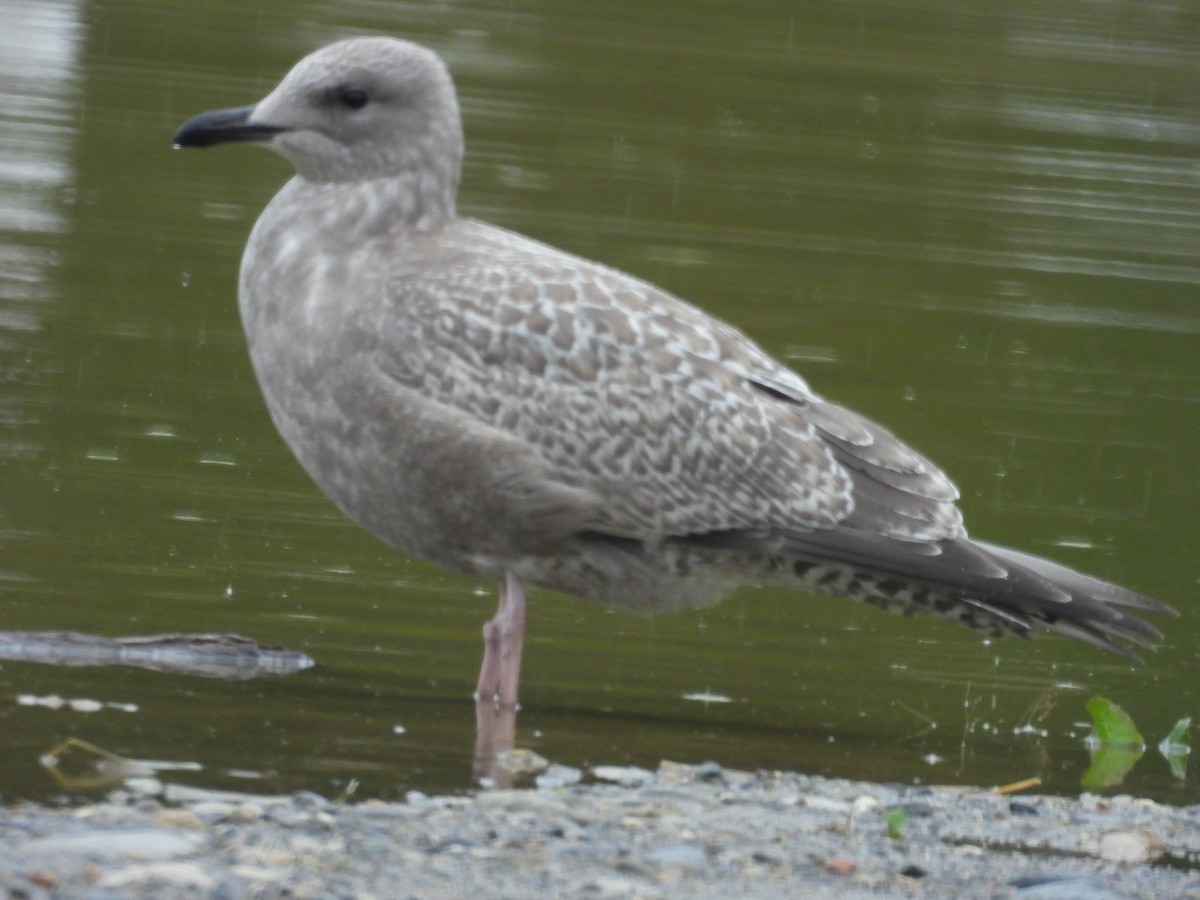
x=1093, y=613
x=979, y=585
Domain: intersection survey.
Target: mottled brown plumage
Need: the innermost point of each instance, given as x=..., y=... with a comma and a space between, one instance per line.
x=509, y=410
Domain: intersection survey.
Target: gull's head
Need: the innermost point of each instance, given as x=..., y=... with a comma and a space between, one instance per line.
x=358, y=110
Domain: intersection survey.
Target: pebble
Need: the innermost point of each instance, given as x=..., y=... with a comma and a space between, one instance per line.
x=828, y=805
x=628, y=776
x=558, y=776
x=684, y=855
x=134, y=843
x=697, y=831
x=167, y=875
x=1127, y=846
x=1051, y=888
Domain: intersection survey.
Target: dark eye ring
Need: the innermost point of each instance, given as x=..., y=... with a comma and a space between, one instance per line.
x=353, y=98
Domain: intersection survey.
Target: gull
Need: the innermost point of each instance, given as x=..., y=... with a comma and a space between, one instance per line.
x=508, y=410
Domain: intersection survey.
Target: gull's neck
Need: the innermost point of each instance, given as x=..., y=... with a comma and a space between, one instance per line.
x=358, y=210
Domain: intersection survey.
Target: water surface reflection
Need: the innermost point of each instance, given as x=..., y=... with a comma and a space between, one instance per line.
x=976, y=227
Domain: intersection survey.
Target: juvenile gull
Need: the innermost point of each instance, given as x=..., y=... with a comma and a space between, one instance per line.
x=508, y=410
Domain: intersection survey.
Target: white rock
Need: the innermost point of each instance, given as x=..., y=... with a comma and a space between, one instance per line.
x=558, y=776
x=176, y=874
x=626, y=776
x=136, y=843
x=1127, y=846
x=825, y=804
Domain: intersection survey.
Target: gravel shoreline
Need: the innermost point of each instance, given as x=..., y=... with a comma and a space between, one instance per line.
x=694, y=831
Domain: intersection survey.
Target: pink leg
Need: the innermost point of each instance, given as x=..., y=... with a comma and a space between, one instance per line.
x=495, y=735
x=503, y=638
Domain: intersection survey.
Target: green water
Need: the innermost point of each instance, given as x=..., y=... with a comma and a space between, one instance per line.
x=979, y=228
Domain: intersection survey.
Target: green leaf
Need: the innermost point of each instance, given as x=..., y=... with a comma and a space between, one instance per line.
x=897, y=818
x=1113, y=725
x=1176, y=746
x=1178, y=740
x=1110, y=764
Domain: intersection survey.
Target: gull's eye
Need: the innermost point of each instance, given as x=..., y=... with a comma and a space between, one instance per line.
x=352, y=98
